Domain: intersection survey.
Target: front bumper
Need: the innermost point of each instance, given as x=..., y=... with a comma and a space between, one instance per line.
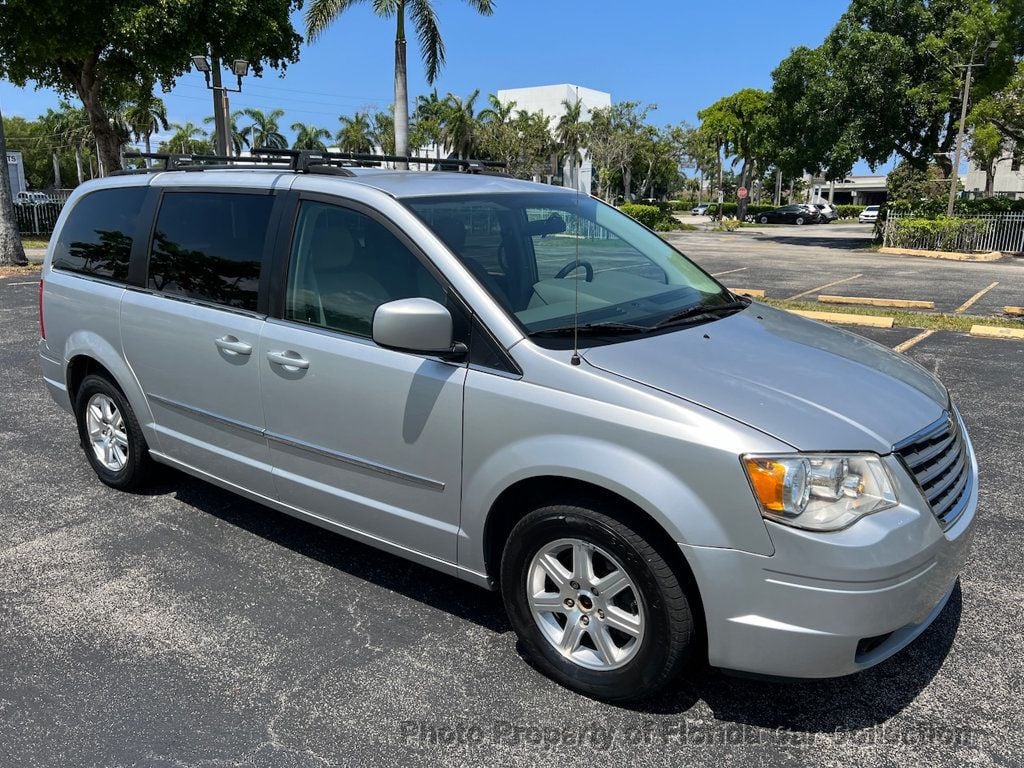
x=826, y=605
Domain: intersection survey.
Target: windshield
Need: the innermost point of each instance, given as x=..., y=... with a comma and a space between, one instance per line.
x=523, y=248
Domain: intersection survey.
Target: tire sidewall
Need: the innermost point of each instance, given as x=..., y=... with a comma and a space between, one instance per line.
x=131, y=474
x=536, y=531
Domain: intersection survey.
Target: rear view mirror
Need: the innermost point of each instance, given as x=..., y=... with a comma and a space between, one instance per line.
x=552, y=225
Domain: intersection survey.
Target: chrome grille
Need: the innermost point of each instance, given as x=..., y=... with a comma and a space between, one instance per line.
x=937, y=458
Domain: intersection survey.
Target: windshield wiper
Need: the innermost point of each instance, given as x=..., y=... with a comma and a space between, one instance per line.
x=593, y=329
x=703, y=310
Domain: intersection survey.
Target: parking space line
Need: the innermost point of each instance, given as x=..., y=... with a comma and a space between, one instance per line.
x=912, y=341
x=30, y=282
x=822, y=287
x=727, y=272
x=970, y=302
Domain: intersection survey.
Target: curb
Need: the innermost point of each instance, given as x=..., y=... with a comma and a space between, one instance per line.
x=873, y=302
x=840, y=318
x=949, y=255
x=994, y=332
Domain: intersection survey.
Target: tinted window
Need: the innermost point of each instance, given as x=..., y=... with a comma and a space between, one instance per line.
x=209, y=246
x=97, y=237
x=344, y=265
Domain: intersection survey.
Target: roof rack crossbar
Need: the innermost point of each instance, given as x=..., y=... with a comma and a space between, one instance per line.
x=300, y=161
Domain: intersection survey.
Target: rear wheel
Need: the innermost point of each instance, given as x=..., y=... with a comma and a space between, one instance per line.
x=111, y=435
x=596, y=605
x=799, y=220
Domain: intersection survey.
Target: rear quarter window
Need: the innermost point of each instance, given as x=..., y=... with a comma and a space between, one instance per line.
x=96, y=239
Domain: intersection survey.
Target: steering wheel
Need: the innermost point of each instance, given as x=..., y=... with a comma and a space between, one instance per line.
x=572, y=265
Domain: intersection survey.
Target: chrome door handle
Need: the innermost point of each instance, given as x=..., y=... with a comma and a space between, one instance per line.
x=288, y=359
x=231, y=344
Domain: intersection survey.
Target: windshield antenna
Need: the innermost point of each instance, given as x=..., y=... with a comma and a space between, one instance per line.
x=575, y=359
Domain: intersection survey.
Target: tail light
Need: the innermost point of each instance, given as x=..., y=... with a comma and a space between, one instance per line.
x=42, y=325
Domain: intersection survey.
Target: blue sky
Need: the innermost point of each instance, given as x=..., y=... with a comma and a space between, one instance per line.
x=678, y=54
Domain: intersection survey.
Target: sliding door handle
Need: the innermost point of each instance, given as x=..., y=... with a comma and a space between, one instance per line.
x=288, y=359
x=233, y=345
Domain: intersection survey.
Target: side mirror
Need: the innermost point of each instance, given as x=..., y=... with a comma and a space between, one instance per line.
x=415, y=325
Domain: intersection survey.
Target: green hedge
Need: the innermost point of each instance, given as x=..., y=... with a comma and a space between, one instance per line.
x=931, y=209
x=941, y=233
x=656, y=217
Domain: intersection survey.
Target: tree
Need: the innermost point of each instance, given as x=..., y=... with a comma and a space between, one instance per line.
x=987, y=147
x=740, y=124
x=322, y=12
x=460, y=128
x=311, y=137
x=69, y=127
x=427, y=118
x=570, y=133
x=613, y=136
x=238, y=140
x=11, y=249
x=887, y=79
x=264, y=130
x=356, y=134
x=909, y=185
x=188, y=139
x=145, y=116
x=383, y=132
x=104, y=51
x=1004, y=108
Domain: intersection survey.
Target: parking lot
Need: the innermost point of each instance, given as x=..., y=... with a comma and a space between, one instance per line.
x=189, y=627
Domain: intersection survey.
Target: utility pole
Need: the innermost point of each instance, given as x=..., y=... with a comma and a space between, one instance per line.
x=954, y=181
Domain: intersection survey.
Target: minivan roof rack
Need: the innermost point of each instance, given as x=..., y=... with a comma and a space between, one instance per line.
x=301, y=161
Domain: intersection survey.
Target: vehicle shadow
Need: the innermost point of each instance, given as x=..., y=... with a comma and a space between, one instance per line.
x=817, y=241
x=850, y=703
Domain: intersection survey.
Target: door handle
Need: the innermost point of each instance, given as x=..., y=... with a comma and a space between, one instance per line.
x=232, y=344
x=288, y=359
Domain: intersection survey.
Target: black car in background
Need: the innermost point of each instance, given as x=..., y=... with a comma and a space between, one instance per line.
x=790, y=214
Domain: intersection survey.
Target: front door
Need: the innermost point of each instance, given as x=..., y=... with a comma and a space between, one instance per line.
x=366, y=437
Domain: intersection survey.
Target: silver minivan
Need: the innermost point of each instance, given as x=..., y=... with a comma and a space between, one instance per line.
x=522, y=387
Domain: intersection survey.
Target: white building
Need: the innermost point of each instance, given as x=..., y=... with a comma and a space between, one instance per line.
x=851, y=190
x=549, y=100
x=1009, y=178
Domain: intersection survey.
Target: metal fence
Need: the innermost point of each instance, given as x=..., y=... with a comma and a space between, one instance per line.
x=1003, y=232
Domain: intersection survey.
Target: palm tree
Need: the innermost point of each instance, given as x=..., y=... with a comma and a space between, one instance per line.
x=145, y=116
x=70, y=126
x=355, y=134
x=310, y=137
x=427, y=120
x=237, y=139
x=460, y=127
x=11, y=249
x=322, y=12
x=264, y=130
x=570, y=133
x=188, y=139
x=383, y=132
x=499, y=113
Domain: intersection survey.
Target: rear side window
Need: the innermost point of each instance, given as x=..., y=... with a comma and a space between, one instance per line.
x=209, y=246
x=97, y=236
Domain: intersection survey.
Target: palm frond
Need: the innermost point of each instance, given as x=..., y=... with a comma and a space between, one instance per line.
x=431, y=43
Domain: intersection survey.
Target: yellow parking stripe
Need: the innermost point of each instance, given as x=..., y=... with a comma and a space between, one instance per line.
x=970, y=302
x=912, y=341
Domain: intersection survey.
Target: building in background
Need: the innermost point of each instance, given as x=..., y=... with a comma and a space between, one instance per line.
x=15, y=169
x=851, y=190
x=1009, y=177
x=549, y=100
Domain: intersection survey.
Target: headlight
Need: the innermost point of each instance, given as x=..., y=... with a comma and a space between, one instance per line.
x=818, y=491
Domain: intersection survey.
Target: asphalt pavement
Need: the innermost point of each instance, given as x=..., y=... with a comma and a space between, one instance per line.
x=190, y=627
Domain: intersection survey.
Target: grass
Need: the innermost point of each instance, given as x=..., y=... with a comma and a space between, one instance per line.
x=27, y=269
x=35, y=242
x=932, y=321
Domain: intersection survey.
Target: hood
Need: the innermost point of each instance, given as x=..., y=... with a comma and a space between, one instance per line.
x=812, y=386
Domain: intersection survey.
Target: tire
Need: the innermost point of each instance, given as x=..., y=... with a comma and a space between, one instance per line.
x=799, y=221
x=127, y=446
x=661, y=638
x=764, y=219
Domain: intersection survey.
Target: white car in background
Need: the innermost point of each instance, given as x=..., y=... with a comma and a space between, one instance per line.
x=869, y=215
x=700, y=210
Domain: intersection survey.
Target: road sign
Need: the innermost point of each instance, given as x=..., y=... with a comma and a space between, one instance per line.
x=742, y=192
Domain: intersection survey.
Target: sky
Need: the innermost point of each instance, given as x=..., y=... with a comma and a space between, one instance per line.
x=681, y=55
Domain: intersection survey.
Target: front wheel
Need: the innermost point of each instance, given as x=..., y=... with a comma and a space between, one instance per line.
x=595, y=604
x=764, y=219
x=799, y=221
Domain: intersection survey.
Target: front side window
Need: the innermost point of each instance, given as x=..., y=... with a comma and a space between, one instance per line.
x=548, y=245
x=344, y=265
x=97, y=236
x=209, y=246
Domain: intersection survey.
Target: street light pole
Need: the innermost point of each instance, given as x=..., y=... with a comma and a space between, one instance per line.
x=210, y=67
